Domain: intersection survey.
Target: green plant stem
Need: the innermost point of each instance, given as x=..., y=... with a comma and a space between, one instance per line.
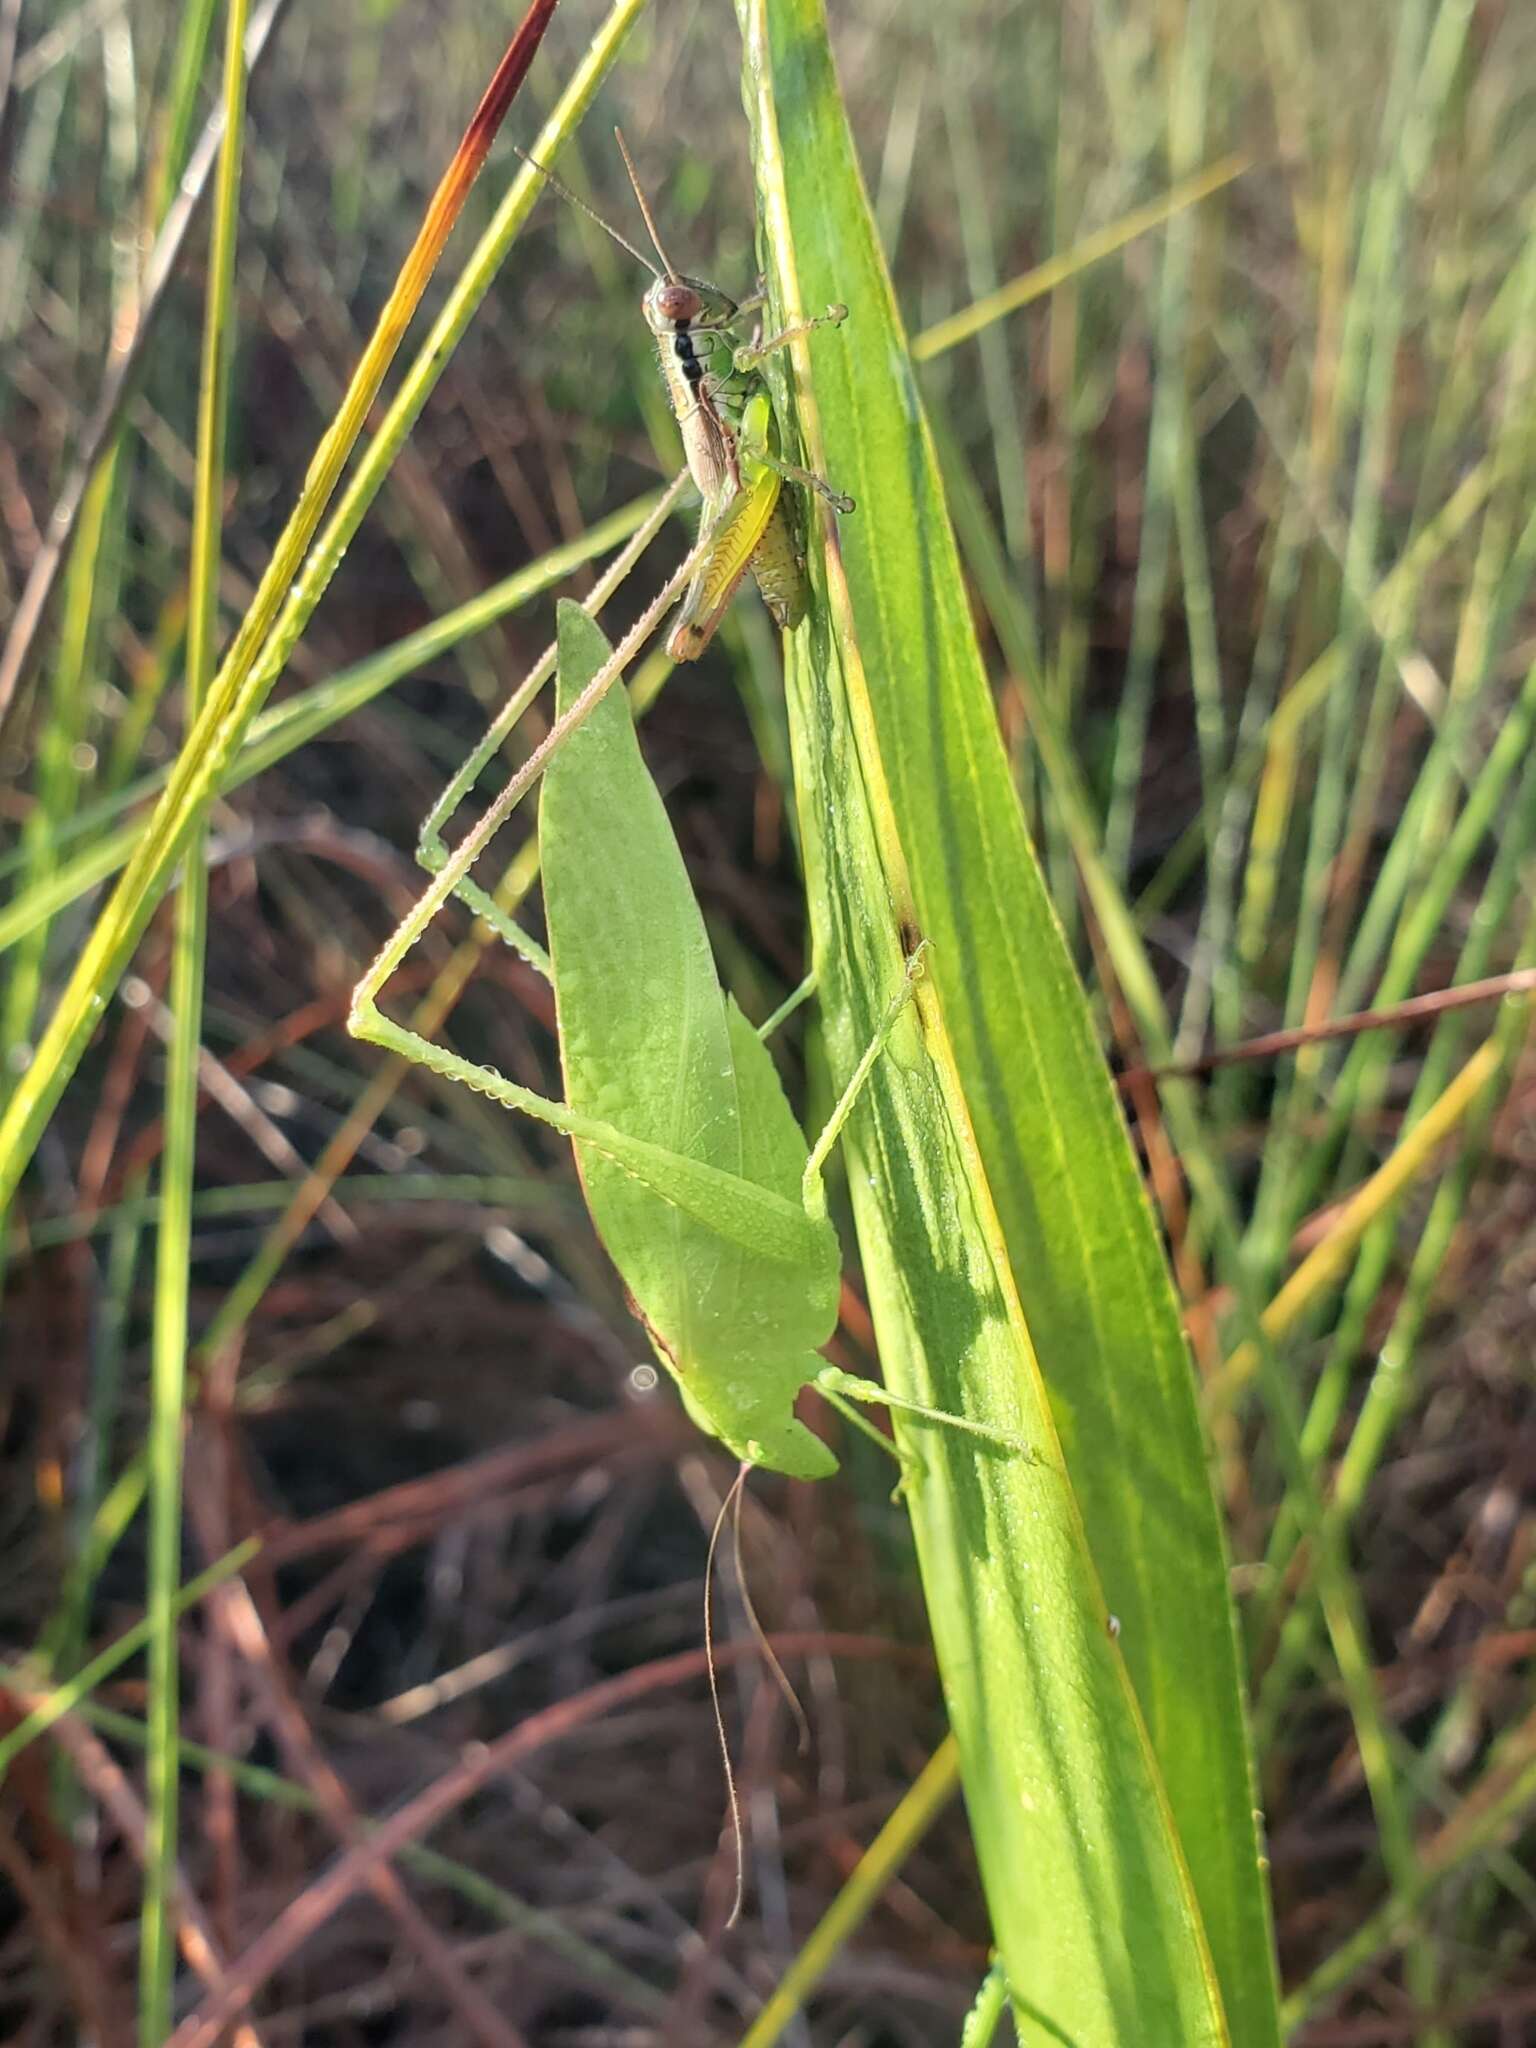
x=173, y=1249
x=925, y=1799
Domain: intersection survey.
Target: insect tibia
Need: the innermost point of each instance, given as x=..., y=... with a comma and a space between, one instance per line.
x=792, y=473
x=812, y=1190
x=752, y=354
x=831, y=1380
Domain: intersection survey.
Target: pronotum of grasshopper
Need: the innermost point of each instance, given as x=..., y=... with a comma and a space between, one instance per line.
x=731, y=437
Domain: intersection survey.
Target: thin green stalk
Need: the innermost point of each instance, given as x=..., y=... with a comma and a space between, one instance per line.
x=1464, y=1843
x=1234, y=1085
x=1361, y=1081
x=1391, y=1382
x=157, y=1949
x=187, y=59
x=173, y=1248
x=1501, y=571
x=1213, y=962
x=64, y=1698
x=64, y=723
x=1501, y=574
x=1044, y=278
x=925, y=1799
x=62, y=1641
x=1000, y=382
x=1377, y=311
x=64, y=753
x=30, y=168
x=1170, y=423
x=61, y=1644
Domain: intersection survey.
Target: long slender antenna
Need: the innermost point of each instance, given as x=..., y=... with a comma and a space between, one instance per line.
x=591, y=212
x=738, y=1838
x=629, y=164
x=780, y=1676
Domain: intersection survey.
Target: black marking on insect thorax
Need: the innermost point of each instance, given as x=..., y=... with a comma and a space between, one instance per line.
x=693, y=369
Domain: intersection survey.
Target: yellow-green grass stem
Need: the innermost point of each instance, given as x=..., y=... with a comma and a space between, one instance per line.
x=64, y=1698
x=178, y=1170
x=920, y=1806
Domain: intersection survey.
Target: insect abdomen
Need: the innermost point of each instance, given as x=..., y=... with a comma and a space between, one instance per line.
x=779, y=567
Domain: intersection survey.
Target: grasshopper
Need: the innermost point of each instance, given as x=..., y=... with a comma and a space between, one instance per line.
x=731, y=436
x=732, y=441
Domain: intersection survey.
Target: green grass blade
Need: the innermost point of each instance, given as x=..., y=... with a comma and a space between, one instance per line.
x=173, y=1244
x=65, y=1697
x=1029, y=1090
x=187, y=59
x=930, y=1792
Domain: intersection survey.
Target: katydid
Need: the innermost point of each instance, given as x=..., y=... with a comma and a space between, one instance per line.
x=730, y=436
x=699, y=1181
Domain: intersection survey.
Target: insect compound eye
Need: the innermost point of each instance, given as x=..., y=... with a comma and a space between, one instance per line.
x=677, y=302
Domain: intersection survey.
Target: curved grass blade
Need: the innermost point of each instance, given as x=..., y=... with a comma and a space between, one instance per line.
x=1030, y=1125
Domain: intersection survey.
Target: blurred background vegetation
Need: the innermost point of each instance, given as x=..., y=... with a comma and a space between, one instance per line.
x=1247, y=504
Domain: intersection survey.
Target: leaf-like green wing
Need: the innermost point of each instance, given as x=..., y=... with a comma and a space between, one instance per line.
x=647, y=1044
x=1085, y=1828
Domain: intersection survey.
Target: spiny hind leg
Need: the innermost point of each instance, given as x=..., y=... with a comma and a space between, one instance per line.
x=845, y=1390
x=432, y=851
x=989, y=2010
x=831, y=1380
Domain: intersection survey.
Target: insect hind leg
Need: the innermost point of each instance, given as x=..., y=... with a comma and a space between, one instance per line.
x=432, y=849
x=812, y=1191
x=793, y=473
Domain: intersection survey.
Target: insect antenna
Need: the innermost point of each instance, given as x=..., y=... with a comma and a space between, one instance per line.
x=629, y=164
x=591, y=211
x=780, y=1676
x=737, y=1835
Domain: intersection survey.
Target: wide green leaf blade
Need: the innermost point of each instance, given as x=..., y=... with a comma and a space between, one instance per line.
x=1038, y=1145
